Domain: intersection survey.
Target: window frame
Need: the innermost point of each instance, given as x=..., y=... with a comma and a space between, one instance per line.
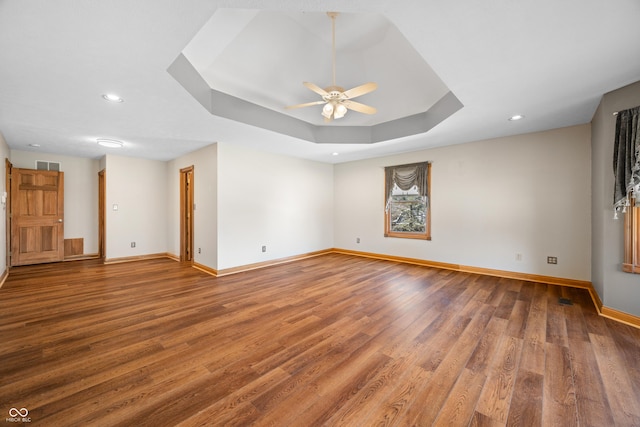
x=426, y=235
x=631, y=263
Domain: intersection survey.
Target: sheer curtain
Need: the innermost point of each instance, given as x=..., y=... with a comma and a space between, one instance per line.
x=626, y=158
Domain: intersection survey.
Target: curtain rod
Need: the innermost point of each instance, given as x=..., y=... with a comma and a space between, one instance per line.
x=615, y=113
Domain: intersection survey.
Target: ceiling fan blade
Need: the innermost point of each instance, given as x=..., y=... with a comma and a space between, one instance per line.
x=361, y=90
x=308, y=104
x=317, y=89
x=360, y=108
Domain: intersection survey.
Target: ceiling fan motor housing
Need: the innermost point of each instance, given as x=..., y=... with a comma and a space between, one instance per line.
x=334, y=93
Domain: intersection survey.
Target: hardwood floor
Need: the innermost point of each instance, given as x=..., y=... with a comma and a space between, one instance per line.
x=330, y=340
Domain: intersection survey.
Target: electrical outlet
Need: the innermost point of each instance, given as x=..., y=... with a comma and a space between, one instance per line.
x=133, y=244
x=357, y=240
x=518, y=257
x=199, y=250
x=552, y=260
x=264, y=249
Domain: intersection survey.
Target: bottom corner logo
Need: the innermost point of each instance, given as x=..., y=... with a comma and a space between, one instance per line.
x=22, y=412
x=18, y=415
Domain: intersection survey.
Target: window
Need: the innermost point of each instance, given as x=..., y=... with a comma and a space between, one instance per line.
x=626, y=193
x=407, y=208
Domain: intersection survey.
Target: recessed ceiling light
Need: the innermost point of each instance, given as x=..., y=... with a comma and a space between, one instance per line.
x=335, y=154
x=112, y=97
x=516, y=117
x=111, y=143
x=34, y=145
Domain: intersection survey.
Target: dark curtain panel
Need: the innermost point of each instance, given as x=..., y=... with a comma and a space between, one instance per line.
x=626, y=156
x=406, y=176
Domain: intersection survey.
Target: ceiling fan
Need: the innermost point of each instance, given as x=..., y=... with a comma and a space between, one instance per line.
x=336, y=100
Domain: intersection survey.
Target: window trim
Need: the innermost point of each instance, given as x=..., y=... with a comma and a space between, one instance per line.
x=631, y=263
x=426, y=235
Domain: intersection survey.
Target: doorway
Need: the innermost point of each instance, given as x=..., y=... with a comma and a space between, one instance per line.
x=186, y=214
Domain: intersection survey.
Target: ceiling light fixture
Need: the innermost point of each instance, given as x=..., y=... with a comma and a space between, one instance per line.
x=110, y=143
x=112, y=97
x=516, y=117
x=336, y=100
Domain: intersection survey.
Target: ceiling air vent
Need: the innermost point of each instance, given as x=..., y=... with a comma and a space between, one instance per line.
x=43, y=165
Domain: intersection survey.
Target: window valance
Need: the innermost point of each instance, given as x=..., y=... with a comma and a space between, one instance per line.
x=406, y=177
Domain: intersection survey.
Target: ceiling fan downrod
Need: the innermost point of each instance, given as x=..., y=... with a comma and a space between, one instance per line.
x=333, y=16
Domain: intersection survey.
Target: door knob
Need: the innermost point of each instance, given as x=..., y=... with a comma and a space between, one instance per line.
x=60, y=220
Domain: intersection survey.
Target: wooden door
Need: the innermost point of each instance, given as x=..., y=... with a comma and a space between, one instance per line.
x=37, y=216
x=186, y=214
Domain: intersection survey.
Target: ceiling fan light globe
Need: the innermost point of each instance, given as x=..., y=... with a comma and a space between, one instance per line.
x=327, y=110
x=340, y=111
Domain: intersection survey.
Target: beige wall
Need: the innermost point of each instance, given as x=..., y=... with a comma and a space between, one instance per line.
x=281, y=202
x=139, y=188
x=524, y=194
x=618, y=290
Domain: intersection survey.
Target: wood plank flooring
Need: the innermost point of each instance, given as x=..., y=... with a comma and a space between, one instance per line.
x=333, y=340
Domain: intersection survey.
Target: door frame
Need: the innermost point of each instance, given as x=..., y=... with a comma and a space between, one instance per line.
x=102, y=214
x=8, y=167
x=187, y=207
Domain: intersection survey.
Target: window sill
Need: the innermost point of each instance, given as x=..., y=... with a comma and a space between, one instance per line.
x=408, y=236
x=630, y=268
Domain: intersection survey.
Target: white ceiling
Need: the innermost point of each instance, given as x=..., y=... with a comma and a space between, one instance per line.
x=547, y=59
